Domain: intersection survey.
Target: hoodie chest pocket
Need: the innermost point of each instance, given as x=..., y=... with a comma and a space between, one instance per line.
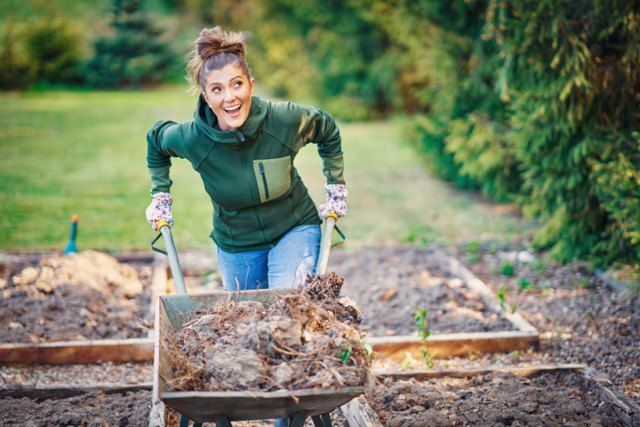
x=273, y=177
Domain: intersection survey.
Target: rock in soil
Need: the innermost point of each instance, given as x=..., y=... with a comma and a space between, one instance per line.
x=501, y=399
x=394, y=282
x=88, y=295
x=307, y=338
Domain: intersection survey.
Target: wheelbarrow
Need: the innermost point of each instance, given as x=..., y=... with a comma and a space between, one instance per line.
x=224, y=407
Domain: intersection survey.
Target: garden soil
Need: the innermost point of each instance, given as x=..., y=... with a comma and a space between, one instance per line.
x=88, y=295
x=580, y=317
x=500, y=399
x=393, y=283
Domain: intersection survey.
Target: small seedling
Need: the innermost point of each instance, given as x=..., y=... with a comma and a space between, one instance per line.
x=524, y=284
x=473, y=254
x=507, y=269
x=345, y=355
x=421, y=322
x=501, y=293
x=538, y=265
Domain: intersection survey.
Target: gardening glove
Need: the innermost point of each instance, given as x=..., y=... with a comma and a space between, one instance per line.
x=160, y=210
x=336, y=202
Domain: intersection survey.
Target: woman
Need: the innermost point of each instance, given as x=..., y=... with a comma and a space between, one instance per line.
x=265, y=225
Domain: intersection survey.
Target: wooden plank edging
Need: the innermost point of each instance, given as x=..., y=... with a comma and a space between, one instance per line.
x=63, y=392
x=451, y=345
x=82, y=351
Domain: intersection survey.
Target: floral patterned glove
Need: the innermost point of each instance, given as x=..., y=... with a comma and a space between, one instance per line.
x=336, y=202
x=160, y=210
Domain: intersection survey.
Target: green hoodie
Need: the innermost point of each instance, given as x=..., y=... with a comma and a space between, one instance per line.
x=256, y=191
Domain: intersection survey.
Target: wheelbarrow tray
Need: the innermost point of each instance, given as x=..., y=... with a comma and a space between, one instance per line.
x=204, y=406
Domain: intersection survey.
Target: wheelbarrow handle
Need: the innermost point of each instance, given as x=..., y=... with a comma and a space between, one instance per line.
x=325, y=244
x=172, y=254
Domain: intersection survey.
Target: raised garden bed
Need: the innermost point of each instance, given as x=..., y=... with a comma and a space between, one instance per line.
x=550, y=396
x=87, y=406
x=80, y=308
x=464, y=315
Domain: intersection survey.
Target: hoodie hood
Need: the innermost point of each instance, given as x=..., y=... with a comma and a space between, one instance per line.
x=207, y=122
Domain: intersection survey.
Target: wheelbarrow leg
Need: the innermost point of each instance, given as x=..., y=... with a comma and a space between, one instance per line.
x=323, y=420
x=298, y=420
x=184, y=422
x=222, y=421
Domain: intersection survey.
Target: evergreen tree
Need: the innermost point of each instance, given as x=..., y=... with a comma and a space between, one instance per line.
x=134, y=54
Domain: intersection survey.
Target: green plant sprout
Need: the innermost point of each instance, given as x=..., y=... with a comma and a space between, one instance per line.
x=507, y=269
x=345, y=355
x=501, y=293
x=473, y=254
x=424, y=333
x=524, y=284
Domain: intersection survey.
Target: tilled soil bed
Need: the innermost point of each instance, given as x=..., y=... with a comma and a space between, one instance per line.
x=560, y=398
x=95, y=409
x=88, y=295
x=392, y=283
x=581, y=316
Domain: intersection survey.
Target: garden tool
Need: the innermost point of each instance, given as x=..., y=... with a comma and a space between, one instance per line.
x=71, y=247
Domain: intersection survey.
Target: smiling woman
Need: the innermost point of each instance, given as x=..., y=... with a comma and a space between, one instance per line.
x=266, y=227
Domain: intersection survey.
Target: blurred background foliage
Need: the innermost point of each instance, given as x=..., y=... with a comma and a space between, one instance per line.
x=534, y=102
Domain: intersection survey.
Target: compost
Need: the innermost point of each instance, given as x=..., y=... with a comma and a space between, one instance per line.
x=87, y=295
x=499, y=399
x=307, y=338
x=393, y=283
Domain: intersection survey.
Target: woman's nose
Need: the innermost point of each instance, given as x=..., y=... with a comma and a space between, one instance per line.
x=228, y=95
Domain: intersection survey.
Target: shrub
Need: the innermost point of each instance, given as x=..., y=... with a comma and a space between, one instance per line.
x=17, y=71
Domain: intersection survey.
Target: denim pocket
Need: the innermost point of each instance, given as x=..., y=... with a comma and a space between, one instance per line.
x=273, y=177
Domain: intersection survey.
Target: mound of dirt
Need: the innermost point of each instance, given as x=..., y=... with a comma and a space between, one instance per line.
x=88, y=295
x=308, y=338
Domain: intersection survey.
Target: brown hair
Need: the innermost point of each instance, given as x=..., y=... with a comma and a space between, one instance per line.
x=215, y=49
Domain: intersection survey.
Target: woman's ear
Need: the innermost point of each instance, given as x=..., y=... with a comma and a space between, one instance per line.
x=253, y=82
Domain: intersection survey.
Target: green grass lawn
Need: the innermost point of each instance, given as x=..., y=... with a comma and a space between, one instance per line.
x=84, y=153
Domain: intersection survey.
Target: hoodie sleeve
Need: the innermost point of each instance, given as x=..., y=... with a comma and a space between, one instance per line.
x=320, y=128
x=162, y=136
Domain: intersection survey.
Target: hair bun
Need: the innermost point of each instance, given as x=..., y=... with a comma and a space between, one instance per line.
x=213, y=41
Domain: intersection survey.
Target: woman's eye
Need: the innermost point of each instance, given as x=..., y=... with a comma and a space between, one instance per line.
x=237, y=84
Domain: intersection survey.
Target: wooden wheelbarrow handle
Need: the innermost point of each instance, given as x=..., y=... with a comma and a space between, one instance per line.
x=325, y=244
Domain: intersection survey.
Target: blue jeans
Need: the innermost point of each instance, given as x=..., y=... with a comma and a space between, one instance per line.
x=283, y=266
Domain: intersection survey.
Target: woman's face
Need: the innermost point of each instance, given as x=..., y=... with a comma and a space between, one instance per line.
x=228, y=93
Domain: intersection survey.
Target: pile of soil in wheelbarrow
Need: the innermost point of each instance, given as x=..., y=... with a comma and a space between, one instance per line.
x=557, y=398
x=307, y=338
x=130, y=408
x=394, y=282
x=88, y=295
